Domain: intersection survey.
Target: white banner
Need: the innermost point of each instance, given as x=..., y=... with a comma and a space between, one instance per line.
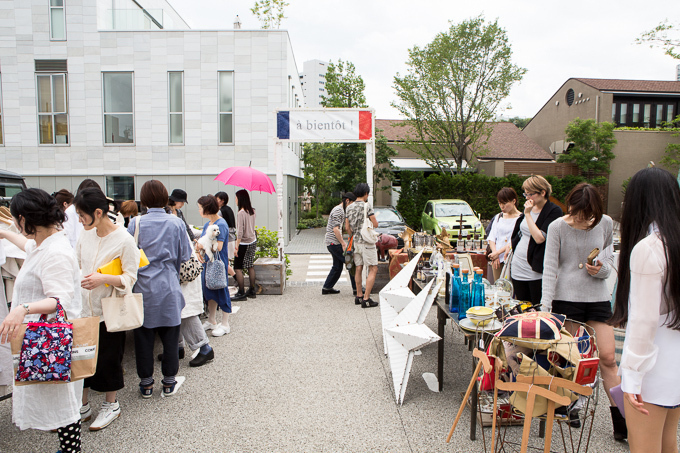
x=324, y=125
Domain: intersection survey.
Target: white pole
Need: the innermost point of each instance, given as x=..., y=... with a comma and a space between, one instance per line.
x=370, y=162
x=278, y=151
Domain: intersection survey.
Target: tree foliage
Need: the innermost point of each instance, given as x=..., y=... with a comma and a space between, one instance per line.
x=671, y=159
x=344, y=86
x=269, y=12
x=665, y=35
x=517, y=121
x=593, y=144
x=452, y=90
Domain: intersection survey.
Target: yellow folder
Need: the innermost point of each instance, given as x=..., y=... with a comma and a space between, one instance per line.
x=115, y=267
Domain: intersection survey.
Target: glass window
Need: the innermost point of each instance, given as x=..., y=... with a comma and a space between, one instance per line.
x=52, y=109
x=120, y=187
x=659, y=115
x=613, y=113
x=57, y=21
x=636, y=113
x=118, y=107
x=669, y=113
x=452, y=209
x=624, y=111
x=176, y=107
x=226, y=106
x=647, y=118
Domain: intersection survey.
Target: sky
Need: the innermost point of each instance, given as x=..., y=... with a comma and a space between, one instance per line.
x=553, y=40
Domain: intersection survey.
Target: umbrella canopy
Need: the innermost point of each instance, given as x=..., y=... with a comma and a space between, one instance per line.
x=248, y=178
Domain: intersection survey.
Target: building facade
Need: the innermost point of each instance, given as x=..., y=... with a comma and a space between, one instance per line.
x=313, y=81
x=628, y=103
x=123, y=91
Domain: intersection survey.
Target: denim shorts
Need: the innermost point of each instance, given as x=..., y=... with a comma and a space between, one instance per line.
x=668, y=407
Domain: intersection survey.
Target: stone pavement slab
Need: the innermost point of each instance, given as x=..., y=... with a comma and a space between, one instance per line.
x=308, y=241
x=299, y=372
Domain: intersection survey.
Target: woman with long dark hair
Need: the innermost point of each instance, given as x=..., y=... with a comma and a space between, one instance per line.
x=101, y=242
x=648, y=304
x=246, y=245
x=50, y=272
x=228, y=215
x=577, y=289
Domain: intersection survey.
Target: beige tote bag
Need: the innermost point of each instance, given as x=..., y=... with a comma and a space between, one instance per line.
x=123, y=313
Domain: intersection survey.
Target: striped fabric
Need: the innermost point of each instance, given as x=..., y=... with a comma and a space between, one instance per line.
x=535, y=325
x=619, y=337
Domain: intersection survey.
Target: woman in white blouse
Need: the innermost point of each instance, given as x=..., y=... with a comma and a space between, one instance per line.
x=501, y=230
x=100, y=243
x=648, y=303
x=50, y=272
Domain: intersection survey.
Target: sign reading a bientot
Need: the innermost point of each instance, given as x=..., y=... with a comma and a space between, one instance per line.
x=324, y=125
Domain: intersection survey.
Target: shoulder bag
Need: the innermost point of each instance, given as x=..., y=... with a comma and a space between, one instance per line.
x=368, y=233
x=215, y=275
x=505, y=272
x=127, y=312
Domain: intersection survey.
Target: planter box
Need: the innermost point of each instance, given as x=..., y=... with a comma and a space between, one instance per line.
x=270, y=274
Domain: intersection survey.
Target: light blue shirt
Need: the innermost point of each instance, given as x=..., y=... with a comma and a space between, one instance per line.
x=163, y=238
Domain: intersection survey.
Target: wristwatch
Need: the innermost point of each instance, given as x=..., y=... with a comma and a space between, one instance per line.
x=27, y=308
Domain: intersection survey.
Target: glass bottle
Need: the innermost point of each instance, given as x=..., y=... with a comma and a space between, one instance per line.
x=465, y=300
x=479, y=289
x=454, y=296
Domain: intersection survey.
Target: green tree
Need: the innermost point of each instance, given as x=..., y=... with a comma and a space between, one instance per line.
x=269, y=12
x=665, y=35
x=317, y=172
x=517, y=121
x=452, y=90
x=593, y=144
x=344, y=86
x=671, y=159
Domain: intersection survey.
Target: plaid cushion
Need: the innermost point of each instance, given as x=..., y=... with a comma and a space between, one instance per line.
x=535, y=325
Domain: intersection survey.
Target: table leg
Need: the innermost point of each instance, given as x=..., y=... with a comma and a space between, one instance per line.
x=441, y=327
x=473, y=406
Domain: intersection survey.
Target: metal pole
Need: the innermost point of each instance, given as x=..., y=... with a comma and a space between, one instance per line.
x=278, y=151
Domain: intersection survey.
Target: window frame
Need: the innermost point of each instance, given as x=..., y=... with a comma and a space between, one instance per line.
x=106, y=186
x=104, y=112
x=220, y=112
x=49, y=19
x=53, y=113
x=171, y=113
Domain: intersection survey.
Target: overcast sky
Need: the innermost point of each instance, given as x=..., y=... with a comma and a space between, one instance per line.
x=593, y=39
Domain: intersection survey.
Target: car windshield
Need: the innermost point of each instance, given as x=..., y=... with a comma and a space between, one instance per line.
x=452, y=209
x=387, y=216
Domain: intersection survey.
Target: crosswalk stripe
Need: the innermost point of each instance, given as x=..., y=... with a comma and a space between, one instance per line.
x=320, y=257
x=317, y=273
x=312, y=266
x=323, y=280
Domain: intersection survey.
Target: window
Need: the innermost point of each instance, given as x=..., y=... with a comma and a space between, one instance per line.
x=636, y=113
x=120, y=187
x=647, y=118
x=226, y=106
x=57, y=20
x=52, y=109
x=669, y=114
x=659, y=114
x=624, y=111
x=176, y=108
x=613, y=112
x=118, y=112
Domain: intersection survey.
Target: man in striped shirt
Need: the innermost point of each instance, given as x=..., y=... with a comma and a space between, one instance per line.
x=335, y=243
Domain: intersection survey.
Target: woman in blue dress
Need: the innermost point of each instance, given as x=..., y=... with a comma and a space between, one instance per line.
x=208, y=209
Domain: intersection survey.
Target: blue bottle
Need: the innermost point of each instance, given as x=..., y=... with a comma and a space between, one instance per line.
x=454, y=290
x=465, y=296
x=479, y=294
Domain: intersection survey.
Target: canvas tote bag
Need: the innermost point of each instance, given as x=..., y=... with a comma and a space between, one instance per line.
x=126, y=312
x=368, y=234
x=84, y=350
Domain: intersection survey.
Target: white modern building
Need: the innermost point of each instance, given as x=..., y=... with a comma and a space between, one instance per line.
x=313, y=81
x=123, y=91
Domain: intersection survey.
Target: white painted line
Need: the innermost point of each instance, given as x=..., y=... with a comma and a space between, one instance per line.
x=312, y=266
x=323, y=280
x=321, y=257
x=317, y=273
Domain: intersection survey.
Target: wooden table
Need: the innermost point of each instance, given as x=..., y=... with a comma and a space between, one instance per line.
x=472, y=339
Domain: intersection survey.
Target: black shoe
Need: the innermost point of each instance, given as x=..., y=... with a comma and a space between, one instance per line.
x=620, y=428
x=368, y=303
x=238, y=296
x=251, y=293
x=202, y=359
x=357, y=300
x=329, y=291
x=181, y=355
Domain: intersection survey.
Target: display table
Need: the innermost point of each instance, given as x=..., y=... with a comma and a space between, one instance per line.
x=399, y=257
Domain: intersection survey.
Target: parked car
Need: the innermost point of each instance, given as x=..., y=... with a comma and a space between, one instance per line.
x=390, y=222
x=440, y=214
x=10, y=185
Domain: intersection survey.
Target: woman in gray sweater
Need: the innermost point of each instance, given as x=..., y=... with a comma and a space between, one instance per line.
x=577, y=289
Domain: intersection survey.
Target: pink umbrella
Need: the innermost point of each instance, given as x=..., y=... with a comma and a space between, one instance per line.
x=248, y=178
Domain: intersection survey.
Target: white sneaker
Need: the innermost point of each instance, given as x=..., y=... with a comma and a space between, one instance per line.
x=208, y=326
x=85, y=412
x=221, y=330
x=108, y=413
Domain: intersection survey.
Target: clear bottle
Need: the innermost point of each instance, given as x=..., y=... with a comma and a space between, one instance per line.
x=454, y=290
x=465, y=296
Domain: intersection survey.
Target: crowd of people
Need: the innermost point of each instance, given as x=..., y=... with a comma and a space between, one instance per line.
x=67, y=238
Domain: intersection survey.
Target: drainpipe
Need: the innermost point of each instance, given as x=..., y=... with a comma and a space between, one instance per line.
x=597, y=109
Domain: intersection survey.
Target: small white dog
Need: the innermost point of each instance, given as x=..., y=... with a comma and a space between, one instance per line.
x=209, y=241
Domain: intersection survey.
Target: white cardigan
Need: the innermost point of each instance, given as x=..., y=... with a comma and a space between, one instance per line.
x=649, y=364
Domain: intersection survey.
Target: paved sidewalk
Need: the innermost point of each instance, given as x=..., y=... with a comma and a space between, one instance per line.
x=307, y=242
x=299, y=372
